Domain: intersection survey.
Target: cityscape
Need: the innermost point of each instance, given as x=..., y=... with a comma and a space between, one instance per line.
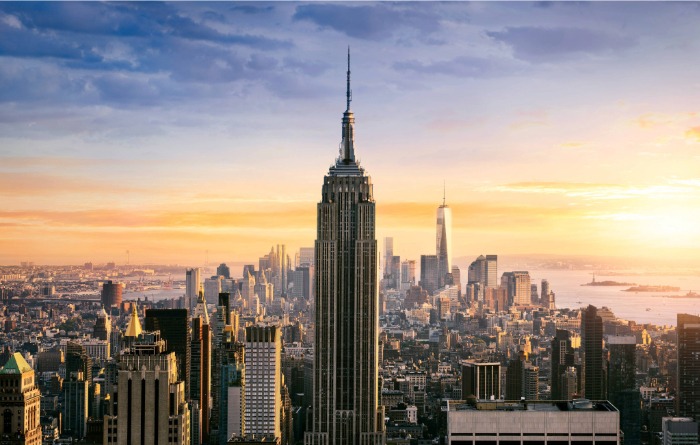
x=502, y=252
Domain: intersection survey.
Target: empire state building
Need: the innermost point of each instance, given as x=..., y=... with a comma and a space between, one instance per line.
x=345, y=372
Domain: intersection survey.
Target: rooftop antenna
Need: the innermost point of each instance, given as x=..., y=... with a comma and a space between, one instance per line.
x=443, y=192
x=348, y=92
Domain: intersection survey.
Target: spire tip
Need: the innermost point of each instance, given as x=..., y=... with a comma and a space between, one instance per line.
x=348, y=92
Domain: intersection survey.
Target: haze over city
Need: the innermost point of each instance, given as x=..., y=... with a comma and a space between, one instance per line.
x=173, y=129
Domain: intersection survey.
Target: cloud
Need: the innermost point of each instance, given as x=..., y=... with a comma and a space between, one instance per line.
x=281, y=216
x=693, y=134
x=465, y=66
x=14, y=184
x=537, y=44
x=593, y=191
x=369, y=22
x=252, y=9
x=147, y=20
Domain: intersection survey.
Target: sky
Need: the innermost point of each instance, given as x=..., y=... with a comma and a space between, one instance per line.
x=191, y=132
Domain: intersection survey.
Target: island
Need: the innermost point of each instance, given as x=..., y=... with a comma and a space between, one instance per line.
x=608, y=283
x=652, y=289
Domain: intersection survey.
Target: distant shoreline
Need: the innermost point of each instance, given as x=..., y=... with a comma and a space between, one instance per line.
x=608, y=283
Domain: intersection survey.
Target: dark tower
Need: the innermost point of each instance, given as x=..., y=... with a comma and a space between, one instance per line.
x=174, y=329
x=111, y=294
x=688, y=328
x=562, y=358
x=346, y=389
x=592, y=346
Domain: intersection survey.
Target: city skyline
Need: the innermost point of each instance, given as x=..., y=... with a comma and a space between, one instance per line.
x=173, y=129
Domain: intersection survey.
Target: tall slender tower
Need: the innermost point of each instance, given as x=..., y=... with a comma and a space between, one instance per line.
x=443, y=241
x=688, y=353
x=200, y=370
x=592, y=344
x=345, y=370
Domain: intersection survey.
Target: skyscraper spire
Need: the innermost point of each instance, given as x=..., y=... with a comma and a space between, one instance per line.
x=346, y=161
x=443, y=192
x=348, y=92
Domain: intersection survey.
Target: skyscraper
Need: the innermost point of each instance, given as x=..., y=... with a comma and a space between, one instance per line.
x=152, y=407
x=173, y=325
x=200, y=371
x=103, y=326
x=346, y=390
x=388, y=254
x=592, y=347
x=443, y=241
x=562, y=359
x=688, y=366
x=429, y=276
x=75, y=405
x=193, y=280
x=263, y=381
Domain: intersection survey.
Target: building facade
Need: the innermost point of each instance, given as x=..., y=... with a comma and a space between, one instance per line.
x=592, y=347
x=20, y=403
x=481, y=381
x=263, y=381
x=173, y=325
x=193, y=280
x=346, y=388
x=688, y=396
x=532, y=423
x=152, y=409
x=111, y=294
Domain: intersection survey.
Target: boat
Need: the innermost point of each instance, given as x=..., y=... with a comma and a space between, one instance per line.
x=648, y=309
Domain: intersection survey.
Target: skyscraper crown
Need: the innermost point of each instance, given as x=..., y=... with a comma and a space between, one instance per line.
x=346, y=164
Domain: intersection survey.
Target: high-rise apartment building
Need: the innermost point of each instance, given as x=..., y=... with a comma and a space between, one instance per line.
x=263, y=381
x=592, y=349
x=429, y=273
x=544, y=291
x=408, y=272
x=212, y=288
x=522, y=295
x=306, y=256
x=443, y=242
x=688, y=351
x=193, y=279
x=152, y=407
x=388, y=255
x=174, y=328
x=484, y=270
x=20, y=403
x=491, y=271
x=346, y=388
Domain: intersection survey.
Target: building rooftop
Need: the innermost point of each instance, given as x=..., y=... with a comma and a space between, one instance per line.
x=532, y=405
x=16, y=365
